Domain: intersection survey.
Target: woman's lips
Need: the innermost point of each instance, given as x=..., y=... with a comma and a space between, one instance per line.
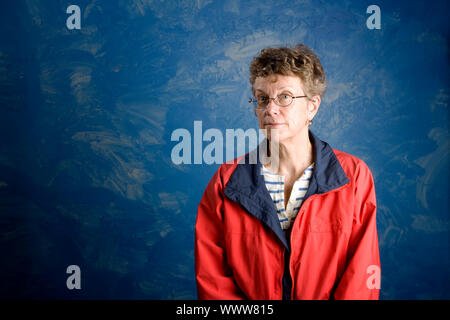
x=273, y=124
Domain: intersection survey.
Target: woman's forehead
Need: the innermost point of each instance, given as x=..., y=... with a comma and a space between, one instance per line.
x=277, y=82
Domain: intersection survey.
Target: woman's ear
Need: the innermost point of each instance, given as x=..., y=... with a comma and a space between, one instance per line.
x=313, y=106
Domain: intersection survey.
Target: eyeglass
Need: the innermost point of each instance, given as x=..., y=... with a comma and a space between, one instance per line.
x=283, y=100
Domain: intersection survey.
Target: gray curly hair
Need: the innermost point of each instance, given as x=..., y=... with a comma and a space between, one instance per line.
x=300, y=61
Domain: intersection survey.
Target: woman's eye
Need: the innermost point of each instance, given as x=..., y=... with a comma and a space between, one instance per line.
x=285, y=96
x=262, y=99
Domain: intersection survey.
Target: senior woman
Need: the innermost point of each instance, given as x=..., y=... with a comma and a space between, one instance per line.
x=301, y=228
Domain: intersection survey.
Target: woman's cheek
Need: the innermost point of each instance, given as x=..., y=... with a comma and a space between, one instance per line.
x=293, y=123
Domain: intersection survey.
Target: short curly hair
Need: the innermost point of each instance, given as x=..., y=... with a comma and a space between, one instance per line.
x=300, y=61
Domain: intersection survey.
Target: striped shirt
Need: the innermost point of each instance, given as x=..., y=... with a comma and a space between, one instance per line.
x=275, y=186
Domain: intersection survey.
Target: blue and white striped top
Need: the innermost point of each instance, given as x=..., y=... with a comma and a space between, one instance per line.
x=275, y=186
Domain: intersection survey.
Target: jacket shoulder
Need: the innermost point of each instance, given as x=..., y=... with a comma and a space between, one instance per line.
x=351, y=164
x=361, y=179
x=225, y=171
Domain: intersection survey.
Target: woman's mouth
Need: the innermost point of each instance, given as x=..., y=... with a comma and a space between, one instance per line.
x=273, y=124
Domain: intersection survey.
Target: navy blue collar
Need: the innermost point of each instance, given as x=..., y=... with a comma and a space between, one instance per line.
x=247, y=187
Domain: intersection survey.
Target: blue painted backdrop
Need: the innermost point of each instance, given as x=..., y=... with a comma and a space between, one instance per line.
x=86, y=176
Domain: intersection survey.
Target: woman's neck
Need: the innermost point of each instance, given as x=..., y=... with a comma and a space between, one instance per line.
x=294, y=156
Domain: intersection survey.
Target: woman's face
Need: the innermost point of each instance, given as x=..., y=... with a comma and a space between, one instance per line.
x=289, y=121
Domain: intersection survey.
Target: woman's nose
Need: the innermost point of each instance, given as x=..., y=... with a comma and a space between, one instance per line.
x=272, y=107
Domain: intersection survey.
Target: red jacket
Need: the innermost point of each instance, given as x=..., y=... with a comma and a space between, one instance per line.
x=331, y=252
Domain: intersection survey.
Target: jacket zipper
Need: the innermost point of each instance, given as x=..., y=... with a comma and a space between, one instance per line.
x=282, y=274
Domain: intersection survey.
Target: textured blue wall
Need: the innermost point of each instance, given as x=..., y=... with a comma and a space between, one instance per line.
x=86, y=176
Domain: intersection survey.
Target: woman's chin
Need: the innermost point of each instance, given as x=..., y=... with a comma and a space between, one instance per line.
x=278, y=135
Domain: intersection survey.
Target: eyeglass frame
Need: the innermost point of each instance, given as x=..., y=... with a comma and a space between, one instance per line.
x=251, y=100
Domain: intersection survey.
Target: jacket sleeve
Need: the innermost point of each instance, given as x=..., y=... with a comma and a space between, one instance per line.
x=362, y=277
x=213, y=274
